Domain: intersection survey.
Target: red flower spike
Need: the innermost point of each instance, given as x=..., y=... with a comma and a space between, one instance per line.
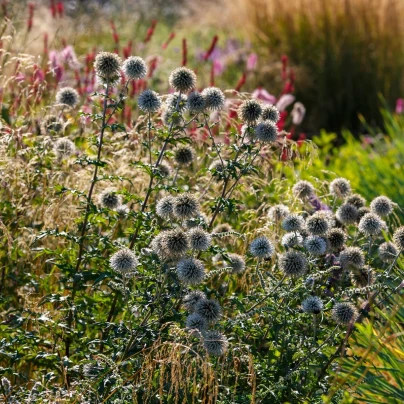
x=150, y=31
x=211, y=47
x=170, y=38
x=184, y=52
x=241, y=82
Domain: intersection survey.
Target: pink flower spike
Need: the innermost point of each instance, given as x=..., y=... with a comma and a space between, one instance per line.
x=400, y=105
x=252, y=61
x=285, y=101
x=263, y=95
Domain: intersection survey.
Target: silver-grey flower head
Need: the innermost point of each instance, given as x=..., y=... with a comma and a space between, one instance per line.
x=215, y=343
x=363, y=277
x=64, y=147
x=278, y=212
x=165, y=207
x=347, y=214
x=199, y=239
x=270, y=113
x=209, y=309
x=315, y=245
x=51, y=124
x=266, y=131
x=398, y=238
x=182, y=79
x=149, y=101
x=362, y=212
x=176, y=102
x=293, y=223
x=292, y=239
x=174, y=243
x=356, y=200
x=124, y=261
x=107, y=66
x=164, y=170
x=196, y=322
x=196, y=102
x=122, y=210
x=371, y=224
x=67, y=96
x=261, y=247
x=186, y=206
x=340, y=187
x=312, y=305
x=344, y=313
x=387, y=252
x=303, y=189
x=109, y=199
x=198, y=221
x=184, y=155
x=293, y=264
x=336, y=239
x=237, y=263
x=190, y=271
x=250, y=111
x=352, y=257
x=317, y=224
x=381, y=206
x=214, y=98
x=134, y=68
x=191, y=300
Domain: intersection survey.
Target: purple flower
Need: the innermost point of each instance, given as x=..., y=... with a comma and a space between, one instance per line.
x=252, y=61
x=317, y=204
x=400, y=105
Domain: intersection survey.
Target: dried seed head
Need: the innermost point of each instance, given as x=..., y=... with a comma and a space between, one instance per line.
x=347, y=214
x=344, y=313
x=124, y=261
x=67, y=96
x=387, y=252
x=261, y=247
x=214, y=98
x=215, y=343
x=182, y=79
x=134, y=68
x=312, y=305
x=293, y=264
x=51, y=124
x=190, y=271
x=303, y=189
x=64, y=147
x=250, y=111
x=149, y=101
x=270, y=113
x=381, y=206
x=340, y=187
x=266, y=131
x=371, y=224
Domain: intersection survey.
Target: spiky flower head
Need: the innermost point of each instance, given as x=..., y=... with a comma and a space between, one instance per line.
x=149, y=101
x=190, y=271
x=171, y=117
x=236, y=262
x=266, y=131
x=176, y=102
x=165, y=207
x=182, y=79
x=222, y=228
x=107, y=66
x=303, y=189
x=199, y=239
x=340, y=187
x=344, y=313
x=184, y=155
x=293, y=264
x=134, y=68
x=312, y=305
x=214, y=98
x=122, y=210
x=293, y=239
x=64, y=147
x=278, y=212
x=250, y=111
x=371, y=224
x=261, y=247
x=174, y=243
x=347, y=214
x=362, y=212
x=198, y=221
x=191, y=300
x=186, y=206
x=51, y=124
x=209, y=309
x=381, y=206
x=317, y=224
x=196, y=102
x=315, y=245
x=336, y=239
x=196, y=322
x=387, y=252
x=67, y=96
x=164, y=169
x=356, y=200
x=363, y=277
x=215, y=343
x=270, y=113
x=352, y=257
x=109, y=199
x=124, y=261
x=217, y=167
x=398, y=238
x=292, y=223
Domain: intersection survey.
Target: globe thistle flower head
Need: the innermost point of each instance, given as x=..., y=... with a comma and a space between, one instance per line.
x=266, y=131
x=293, y=239
x=209, y=309
x=387, y=252
x=336, y=239
x=352, y=257
x=149, y=101
x=184, y=155
x=174, y=243
x=164, y=169
x=182, y=79
x=171, y=117
x=198, y=221
x=278, y=212
x=107, y=66
x=237, y=263
x=312, y=305
x=317, y=224
x=398, y=238
x=303, y=189
x=222, y=228
x=214, y=98
x=270, y=113
x=362, y=212
x=261, y=247
x=199, y=239
x=371, y=224
x=215, y=343
x=196, y=322
x=217, y=167
x=109, y=199
x=293, y=223
x=344, y=313
x=186, y=206
x=67, y=96
x=340, y=188
x=347, y=214
x=250, y=111
x=293, y=264
x=124, y=261
x=363, y=277
x=381, y=206
x=196, y=102
x=356, y=200
x=51, y=124
x=315, y=245
x=176, y=102
x=134, y=68
x=165, y=207
x=191, y=300
x=190, y=271
x=64, y=147
x=122, y=210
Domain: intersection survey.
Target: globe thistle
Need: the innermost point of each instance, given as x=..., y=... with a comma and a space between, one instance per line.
x=215, y=343
x=122, y=210
x=67, y=96
x=261, y=247
x=250, y=111
x=344, y=313
x=315, y=245
x=340, y=188
x=171, y=117
x=182, y=79
x=64, y=147
x=124, y=261
x=371, y=224
x=199, y=220
x=398, y=238
x=174, y=243
x=214, y=98
x=134, y=68
x=362, y=212
x=51, y=124
x=199, y=239
x=336, y=239
x=222, y=228
x=156, y=246
x=196, y=102
x=191, y=300
x=303, y=189
x=387, y=252
x=266, y=131
x=164, y=169
x=293, y=264
x=292, y=239
x=186, y=206
x=209, y=309
x=165, y=207
x=109, y=199
x=381, y=206
x=176, y=102
x=216, y=167
x=356, y=200
x=352, y=257
x=347, y=214
x=317, y=224
x=184, y=155
x=270, y=113
x=196, y=322
x=312, y=305
x=363, y=277
x=149, y=101
x=278, y=212
x=236, y=262
x=292, y=223
x=107, y=66
x=190, y=271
